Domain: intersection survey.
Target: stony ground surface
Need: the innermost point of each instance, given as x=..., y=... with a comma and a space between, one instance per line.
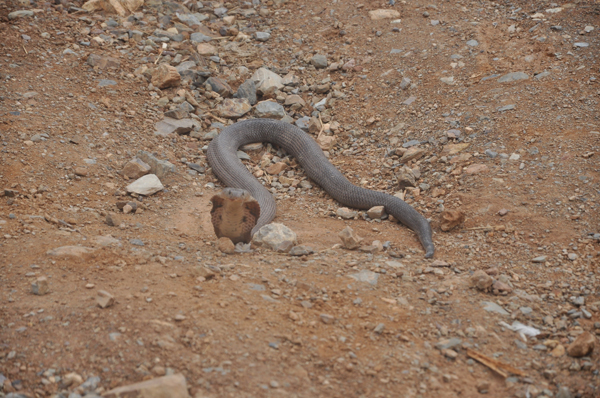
x=488, y=108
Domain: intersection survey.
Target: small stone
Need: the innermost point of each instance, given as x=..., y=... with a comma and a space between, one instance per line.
x=220, y=86
x=40, y=287
x=173, y=386
x=267, y=82
x=350, y=239
x=165, y=76
x=472, y=43
x=572, y=256
x=346, y=213
x=146, y=185
x=514, y=76
x=376, y=15
x=413, y=153
x=233, y=108
x=477, y=169
x=481, y=280
x=276, y=168
x=451, y=219
x=327, y=319
x=206, y=49
x=247, y=90
x=493, y=307
x=276, y=236
x=483, y=386
x=269, y=109
x=135, y=169
x=71, y=251
x=198, y=37
x=319, y=61
x=376, y=212
x=558, y=351
x=447, y=344
x=406, y=178
x=81, y=171
x=113, y=219
x=366, y=276
x=104, y=299
x=564, y=392
x=301, y=250
x=225, y=245
x=539, y=259
x=177, y=126
x=20, y=14
x=582, y=346
x=262, y=36
x=103, y=62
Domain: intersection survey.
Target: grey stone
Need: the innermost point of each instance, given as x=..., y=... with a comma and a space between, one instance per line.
x=267, y=81
x=406, y=177
x=220, y=86
x=301, y=250
x=20, y=14
x=262, y=36
x=191, y=20
x=276, y=236
x=198, y=37
x=366, y=276
x=169, y=125
x=161, y=168
x=40, y=286
x=541, y=75
x=581, y=44
x=269, y=109
x=405, y=83
x=106, y=82
x=90, y=384
x=506, y=108
x=346, y=213
x=493, y=307
x=146, y=185
x=247, y=90
x=472, y=43
x=104, y=299
x=539, y=259
x=564, y=392
x=512, y=77
x=303, y=122
x=491, y=153
x=319, y=61
x=448, y=343
x=186, y=65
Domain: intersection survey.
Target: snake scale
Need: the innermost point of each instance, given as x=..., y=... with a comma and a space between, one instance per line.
x=222, y=156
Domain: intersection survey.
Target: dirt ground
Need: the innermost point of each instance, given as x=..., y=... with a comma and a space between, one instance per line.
x=516, y=154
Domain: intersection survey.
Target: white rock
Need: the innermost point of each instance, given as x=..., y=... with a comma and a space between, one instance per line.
x=267, y=81
x=277, y=237
x=146, y=185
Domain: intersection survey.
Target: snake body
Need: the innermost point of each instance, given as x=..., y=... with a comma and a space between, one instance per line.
x=222, y=156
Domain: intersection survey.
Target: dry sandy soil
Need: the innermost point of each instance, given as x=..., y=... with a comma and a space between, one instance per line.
x=518, y=158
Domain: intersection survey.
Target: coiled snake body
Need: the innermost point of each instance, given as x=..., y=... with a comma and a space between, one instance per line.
x=222, y=156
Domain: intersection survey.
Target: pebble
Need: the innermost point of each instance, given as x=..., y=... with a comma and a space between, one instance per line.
x=472, y=43
x=276, y=236
x=20, y=14
x=146, y=185
x=269, y=110
x=583, y=345
x=135, y=169
x=346, y=213
x=225, y=245
x=493, y=307
x=319, y=61
x=40, y=286
x=366, y=276
x=350, y=239
x=104, y=299
x=262, y=36
x=173, y=386
x=113, y=219
x=233, y=108
x=513, y=76
x=481, y=280
x=247, y=90
x=301, y=250
x=539, y=259
x=266, y=81
x=376, y=212
x=376, y=15
x=165, y=76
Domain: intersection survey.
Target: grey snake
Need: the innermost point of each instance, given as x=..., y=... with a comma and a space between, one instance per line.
x=222, y=156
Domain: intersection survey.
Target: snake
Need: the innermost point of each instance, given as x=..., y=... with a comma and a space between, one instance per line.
x=228, y=168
